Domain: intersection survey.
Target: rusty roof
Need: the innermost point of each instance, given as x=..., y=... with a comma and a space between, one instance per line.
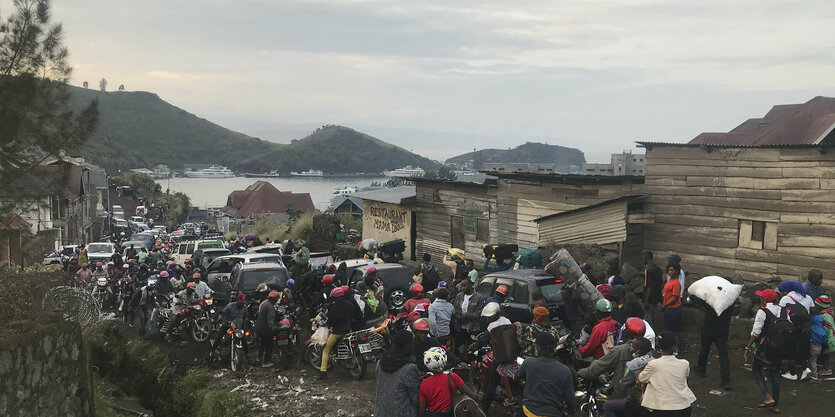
x=263, y=197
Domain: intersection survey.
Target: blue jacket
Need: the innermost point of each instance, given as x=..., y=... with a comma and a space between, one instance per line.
x=819, y=335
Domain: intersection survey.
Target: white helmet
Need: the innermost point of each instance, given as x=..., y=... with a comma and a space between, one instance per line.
x=435, y=359
x=491, y=309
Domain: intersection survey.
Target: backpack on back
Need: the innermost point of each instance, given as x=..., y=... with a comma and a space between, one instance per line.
x=431, y=277
x=798, y=315
x=779, y=335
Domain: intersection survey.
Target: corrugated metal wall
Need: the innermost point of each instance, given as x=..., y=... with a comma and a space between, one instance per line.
x=600, y=225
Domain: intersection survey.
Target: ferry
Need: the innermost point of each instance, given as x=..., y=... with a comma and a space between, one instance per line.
x=271, y=174
x=344, y=191
x=214, y=171
x=407, y=172
x=309, y=173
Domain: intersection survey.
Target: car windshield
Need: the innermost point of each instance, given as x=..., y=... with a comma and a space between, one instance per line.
x=265, y=258
x=550, y=289
x=393, y=274
x=99, y=247
x=251, y=278
x=210, y=256
x=206, y=245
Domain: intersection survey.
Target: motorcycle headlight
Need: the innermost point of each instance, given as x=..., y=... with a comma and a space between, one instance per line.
x=197, y=307
x=212, y=311
x=239, y=333
x=208, y=301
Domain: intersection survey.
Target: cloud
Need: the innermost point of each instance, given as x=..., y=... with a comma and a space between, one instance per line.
x=186, y=76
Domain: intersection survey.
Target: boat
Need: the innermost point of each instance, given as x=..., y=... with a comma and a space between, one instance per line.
x=271, y=174
x=407, y=172
x=344, y=191
x=214, y=171
x=308, y=173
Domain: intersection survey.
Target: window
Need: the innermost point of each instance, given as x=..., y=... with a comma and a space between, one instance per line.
x=181, y=249
x=757, y=234
x=521, y=293
x=482, y=230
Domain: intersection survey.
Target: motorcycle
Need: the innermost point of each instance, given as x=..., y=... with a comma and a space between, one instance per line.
x=102, y=292
x=233, y=342
x=352, y=352
x=590, y=398
x=287, y=335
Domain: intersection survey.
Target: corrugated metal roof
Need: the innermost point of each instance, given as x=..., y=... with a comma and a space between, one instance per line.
x=650, y=144
x=569, y=178
x=629, y=197
x=396, y=195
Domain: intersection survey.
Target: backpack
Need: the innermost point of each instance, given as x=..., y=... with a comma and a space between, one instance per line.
x=798, y=315
x=431, y=277
x=779, y=338
x=529, y=258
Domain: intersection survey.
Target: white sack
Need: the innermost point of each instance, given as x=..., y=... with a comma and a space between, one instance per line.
x=716, y=291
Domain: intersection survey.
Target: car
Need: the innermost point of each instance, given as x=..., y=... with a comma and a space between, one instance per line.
x=218, y=271
x=268, y=248
x=60, y=256
x=121, y=223
x=142, y=227
x=126, y=245
x=203, y=257
x=245, y=278
x=396, y=282
x=520, y=284
x=160, y=229
x=137, y=219
x=145, y=237
x=99, y=252
x=185, y=249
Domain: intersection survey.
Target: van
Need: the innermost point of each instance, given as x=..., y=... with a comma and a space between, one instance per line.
x=220, y=269
x=186, y=248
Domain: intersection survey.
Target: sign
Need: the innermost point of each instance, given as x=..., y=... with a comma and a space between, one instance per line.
x=385, y=219
x=469, y=225
x=474, y=209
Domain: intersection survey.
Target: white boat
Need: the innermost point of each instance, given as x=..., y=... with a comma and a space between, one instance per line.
x=407, y=172
x=344, y=191
x=214, y=171
x=308, y=173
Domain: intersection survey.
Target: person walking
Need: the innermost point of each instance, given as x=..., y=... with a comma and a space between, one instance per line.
x=765, y=360
x=813, y=288
x=653, y=287
x=715, y=331
x=667, y=393
x=672, y=303
x=440, y=316
x=398, y=379
x=468, y=305
x=549, y=386
x=265, y=329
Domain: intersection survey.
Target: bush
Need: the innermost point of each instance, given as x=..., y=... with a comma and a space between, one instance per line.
x=23, y=290
x=194, y=397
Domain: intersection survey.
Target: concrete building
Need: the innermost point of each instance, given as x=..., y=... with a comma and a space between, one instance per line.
x=625, y=163
x=388, y=214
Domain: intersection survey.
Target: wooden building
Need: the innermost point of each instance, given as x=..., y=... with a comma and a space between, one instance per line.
x=387, y=214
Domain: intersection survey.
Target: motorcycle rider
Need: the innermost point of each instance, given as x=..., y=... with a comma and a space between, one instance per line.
x=322, y=295
x=127, y=287
x=201, y=288
x=604, y=326
x=164, y=285
x=83, y=274
x=131, y=252
x=183, y=299
x=340, y=312
x=265, y=329
x=417, y=298
x=501, y=334
x=99, y=272
x=233, y=314
x=144, y=303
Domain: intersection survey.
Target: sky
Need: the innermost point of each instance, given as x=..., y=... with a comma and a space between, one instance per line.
x=597, y=75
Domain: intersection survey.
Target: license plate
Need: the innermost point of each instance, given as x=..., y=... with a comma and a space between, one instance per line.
x=365, y=348
x=282, y=342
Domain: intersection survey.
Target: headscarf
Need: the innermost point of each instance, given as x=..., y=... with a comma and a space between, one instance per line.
x=541, y=316
x=790, y=286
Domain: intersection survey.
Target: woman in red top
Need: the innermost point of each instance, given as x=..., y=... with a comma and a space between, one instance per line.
x=671, y=306
x=435, y=395
x=417, y=299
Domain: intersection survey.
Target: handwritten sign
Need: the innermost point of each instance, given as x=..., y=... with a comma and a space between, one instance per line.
x=385, y=219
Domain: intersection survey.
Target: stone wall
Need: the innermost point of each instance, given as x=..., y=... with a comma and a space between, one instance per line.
x=44, y=370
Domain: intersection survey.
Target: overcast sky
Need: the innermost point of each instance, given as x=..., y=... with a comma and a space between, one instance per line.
x=597, y=75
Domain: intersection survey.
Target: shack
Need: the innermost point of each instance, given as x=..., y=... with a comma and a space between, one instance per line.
x=387, y=214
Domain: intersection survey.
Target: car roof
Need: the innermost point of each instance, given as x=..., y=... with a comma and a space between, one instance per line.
x=385, y=266
x=353, y=263
x=521, y=274
x=134, y=243
x=247, y=256
x=210, y=250
x=260, y=265
x=99, y=243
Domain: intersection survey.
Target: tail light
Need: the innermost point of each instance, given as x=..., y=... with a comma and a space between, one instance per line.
x=246, y=333
x=362, y=338
x=229, y=332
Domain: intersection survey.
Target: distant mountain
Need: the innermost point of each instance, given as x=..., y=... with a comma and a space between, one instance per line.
x=338, y=150
x=139, y=129
x=529, y=152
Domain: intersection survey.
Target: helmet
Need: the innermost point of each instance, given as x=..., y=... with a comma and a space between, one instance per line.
x=191, y=285
x=361, y=288
x=188, y=260
x=491, y=309
x=502, y=289
x=635, y=327
x=435, y=359
x=442, y=284
x=110, y=263
x=412, y=316
x=262, y=287
x=125, y=266
x=98, y=264
x=291, y=284
x=241, y=297
x=421, y=325
x=603, y=305
x=152, y=282
x=273, y=294
x=371, y=270
x=344, y=288
x=331, y=268
x=417, y=290
x=164, y=274
x=337, y=292
x=195, y=275
x=327, y=280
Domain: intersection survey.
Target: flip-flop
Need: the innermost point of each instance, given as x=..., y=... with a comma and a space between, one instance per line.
x=767, y=405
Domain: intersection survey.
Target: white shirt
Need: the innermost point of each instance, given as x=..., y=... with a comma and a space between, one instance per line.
x=201, y=289
x=795, y=297
x=465, y=303
x=759, y=319
x=649, y=334
x=681, y=281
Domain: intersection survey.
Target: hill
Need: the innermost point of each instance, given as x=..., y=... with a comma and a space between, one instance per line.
x=530, y=152
x=139, y=129
x=337, y=150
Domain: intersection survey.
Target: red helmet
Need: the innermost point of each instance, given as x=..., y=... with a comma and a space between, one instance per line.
x=188, y=260
x=413, y=316
x=502, y=289
x=371, y=270
x=241, y=297
x=331, y=268
x=417, y=290
x=164, y=274
x=98, y=263
x=273, y=294
x=344, y=288
x=327, y=280
x=195, y=275
x=421, y=325
x=635, y=327
x=191, y=285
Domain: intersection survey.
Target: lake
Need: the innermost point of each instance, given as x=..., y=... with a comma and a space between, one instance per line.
x=212, y=192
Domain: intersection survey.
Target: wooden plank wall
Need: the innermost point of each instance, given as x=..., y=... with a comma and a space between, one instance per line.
x=520, y=202
x=600, y=225
x=434, y=205
x=698, y=199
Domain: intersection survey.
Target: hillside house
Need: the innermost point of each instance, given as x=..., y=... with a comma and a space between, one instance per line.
x=347, y=204
x=263, y=198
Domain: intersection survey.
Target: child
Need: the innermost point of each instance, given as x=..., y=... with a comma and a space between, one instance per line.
x=819, y=338
x=824, y=304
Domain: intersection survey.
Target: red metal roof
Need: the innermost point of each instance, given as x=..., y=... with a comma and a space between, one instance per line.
x=263, y=197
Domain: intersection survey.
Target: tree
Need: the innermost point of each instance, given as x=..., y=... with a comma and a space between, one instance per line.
x=103, y=84
x=86, y=84
x=293, y=211
x=35, y=121
x=121, y=87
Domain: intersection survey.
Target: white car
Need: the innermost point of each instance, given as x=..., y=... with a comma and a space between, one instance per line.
x=137, y=219
x=99, y=252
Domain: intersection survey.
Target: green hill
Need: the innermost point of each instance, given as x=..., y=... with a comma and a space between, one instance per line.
x=337, y=150
x=139, y=129
x=529, y=152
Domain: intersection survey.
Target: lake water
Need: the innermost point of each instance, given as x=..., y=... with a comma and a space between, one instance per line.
x=212, y=192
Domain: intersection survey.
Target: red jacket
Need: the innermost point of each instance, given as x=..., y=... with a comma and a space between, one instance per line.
x=414, y=302
x=598, y=336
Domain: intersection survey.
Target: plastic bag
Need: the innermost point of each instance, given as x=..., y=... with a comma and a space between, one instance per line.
x=564, y=267
x=717, y=292
x=320, y=336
